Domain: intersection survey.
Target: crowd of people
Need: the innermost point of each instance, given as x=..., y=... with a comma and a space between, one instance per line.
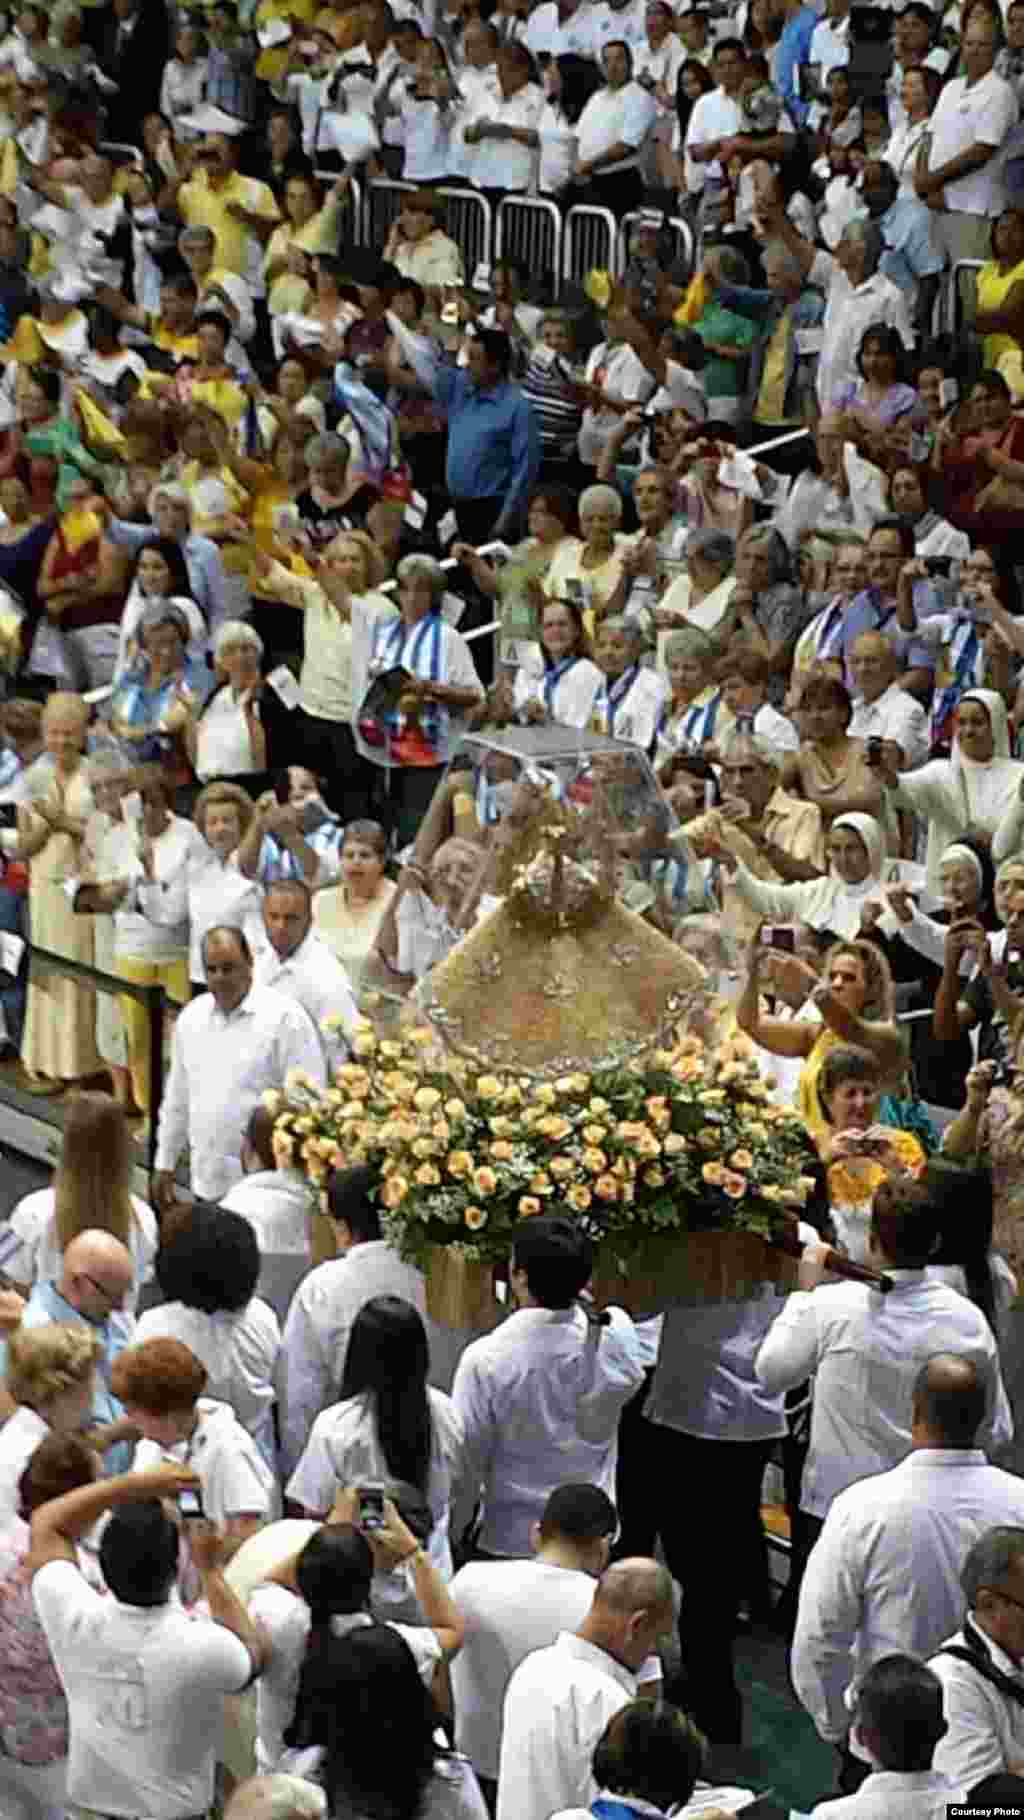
x=320, y=525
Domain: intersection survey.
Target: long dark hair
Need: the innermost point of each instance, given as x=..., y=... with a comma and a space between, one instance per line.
x=171, y=553
x=362, y=1701
x=965, y=1242
x=333, y=1573
x=388, y=1359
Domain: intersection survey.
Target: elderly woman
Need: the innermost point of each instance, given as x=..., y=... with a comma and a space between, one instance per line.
x=161, y=1384
x=333, y=501
x=153, y=704
x=516, y=585
x=770, y=610
x=209, y=889
x=690, y=716
x=311, y=226
x=908, y=494
x=859, y=1151
x=631, y=698
x=50, y=1383
x=348, y=915
x=831, y=769
x=81, y=586
x=412, y=740
x=341, y=608
x=702, y=595
x=228, y=739
x=557, y=682
x=974, y=791
x=833, y=905
x=59, y=1042
x=588, y=569
x=980, y=456
x=821, y=498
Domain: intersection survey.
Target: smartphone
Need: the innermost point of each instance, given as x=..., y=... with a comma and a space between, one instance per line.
x=282, y=786
x=8, y=815
x=939, y=565
x=371, y=1509
x=874, y=750
x=190, y=1506
x=780, y=938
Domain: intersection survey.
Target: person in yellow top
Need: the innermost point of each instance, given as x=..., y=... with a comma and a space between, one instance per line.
x=1000, y=293
x=173, y=327
x=234, y=207
x=311, y=227
x=273, y=59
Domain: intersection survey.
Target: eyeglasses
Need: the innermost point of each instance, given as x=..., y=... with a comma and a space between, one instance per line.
x=113, y=1296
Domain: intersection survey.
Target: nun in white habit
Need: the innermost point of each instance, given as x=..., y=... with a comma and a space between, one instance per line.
x=971, y=792
x=833, y=904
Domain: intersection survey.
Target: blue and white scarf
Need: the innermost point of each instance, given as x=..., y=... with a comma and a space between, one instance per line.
x=418, y=649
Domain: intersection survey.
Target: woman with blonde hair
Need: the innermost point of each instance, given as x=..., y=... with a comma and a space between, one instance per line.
x=208, y=889
x=90, y=1192
x=50, y=1386
x=59, y=1043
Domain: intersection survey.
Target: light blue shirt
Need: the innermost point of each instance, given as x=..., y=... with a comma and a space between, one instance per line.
x=794, y=48
x=909, y=253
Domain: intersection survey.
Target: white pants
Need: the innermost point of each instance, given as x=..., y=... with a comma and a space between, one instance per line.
x=28, y=1792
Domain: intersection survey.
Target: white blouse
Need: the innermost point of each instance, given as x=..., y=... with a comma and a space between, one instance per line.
x=568, y=695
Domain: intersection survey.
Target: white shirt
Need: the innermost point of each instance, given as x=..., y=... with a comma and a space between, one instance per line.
x=714, y=116
x=849, y=310
x=221, y=1064
x=625, y=24
x=620, y=373
x=317, y=1329
x=223, y=739
x=314, y=978
x=894, y=715
x=545, y=35
x=570, y=700
x=985, y=113
x=285, y=1619
x=208, y=891
x=627, y=114
x=144, y=1690
x=540, y=1400
x=557, y=1705
x=866, y=1350
x=884, y=1575
x=662, y=65
x=704, y=1381
x=19, y=1438
x=915, y=1795
x=344, y=1449
x=239, y=1351
x=984, y=1728
x=830, y=47
x=510, y=1609
x=135, y=934
x=38, y=1254
x=234, y=1478
x=504, y=163
x=277, y=1204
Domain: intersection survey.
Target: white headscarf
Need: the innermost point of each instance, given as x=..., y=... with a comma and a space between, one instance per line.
x=984, y=786
x=830, y=903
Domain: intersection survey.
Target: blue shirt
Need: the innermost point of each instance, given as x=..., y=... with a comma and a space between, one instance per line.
x=912, y=653
x=794, y=48
x=909, y=253
x=276, y=862
x=46, y=1304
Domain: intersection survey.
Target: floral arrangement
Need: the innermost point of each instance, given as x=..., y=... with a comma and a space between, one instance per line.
x=684, y=1139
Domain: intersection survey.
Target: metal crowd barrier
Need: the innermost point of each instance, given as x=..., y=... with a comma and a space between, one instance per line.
x=529, y=229
x=680, y=230
x=590, y=240
x=470, y=222
x=154, y=998
x=350, y=217
x=385, y=198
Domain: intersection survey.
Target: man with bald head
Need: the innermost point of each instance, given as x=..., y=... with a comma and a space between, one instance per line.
x=95, y=1277
x=560, y=1699
x=884, y=1576
x=882, y=709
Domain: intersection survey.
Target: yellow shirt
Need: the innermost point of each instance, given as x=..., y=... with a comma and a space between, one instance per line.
x=200, y=206
x=183, y=347
x=771, y=396
x=993, y=289
x=320, y=235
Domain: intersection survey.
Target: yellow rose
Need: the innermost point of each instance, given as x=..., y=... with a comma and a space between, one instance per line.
x=501, y=1150
x=623, y=1168
x=595, y=1134
x=564, y=1085
x=545, y=1095
x=454, y=1109
x=273, y=1099
x=628, y=1193
x=353, y=1109
x=364, y=1045
x=561, y=1167
x=594, y=1161
x=484, y=1181
x=502, y=1127
x=734, y=1185
x=528, y=1205
x=459, y=1163
x=394, y=1191
x=488, y=1087
x=441, y=1129
x=579, y=1083
x=715, y=1096
x=424, y=1147
x=597, y=1108
x=420, y=1034
x=428, y=1175
x=629, y=1131
x=662, y=1058
x=512, y=1096
x=606, y=1188
x=578, y=1197
x=391, y=1051
x=426, y=1098
x=540, y=1183
x=298, y=1081
x=284, y=1149
x=686, y=1068
x=674, y=1144
x=647, y=1145
x=475, y=1217
x=741, y=1159
x=654, y=1177
x=554, y=1128
x=714, y=1174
